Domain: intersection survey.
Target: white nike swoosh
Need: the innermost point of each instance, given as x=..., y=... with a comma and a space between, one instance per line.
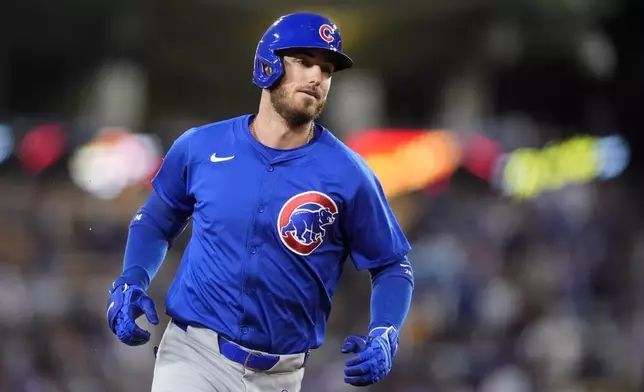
x=214, y=158
x=110, y=307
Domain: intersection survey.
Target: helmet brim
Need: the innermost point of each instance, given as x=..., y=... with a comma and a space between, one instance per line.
x=340, y=60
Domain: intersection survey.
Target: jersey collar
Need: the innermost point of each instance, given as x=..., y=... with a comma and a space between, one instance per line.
x=300, y=152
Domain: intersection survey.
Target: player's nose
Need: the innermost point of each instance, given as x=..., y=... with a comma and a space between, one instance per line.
x=316, y=75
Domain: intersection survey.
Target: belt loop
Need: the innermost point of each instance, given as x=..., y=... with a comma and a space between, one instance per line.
x=306, y=359
x=247, y=359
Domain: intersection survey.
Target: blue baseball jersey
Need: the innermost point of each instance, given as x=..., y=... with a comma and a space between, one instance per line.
x=271, y=232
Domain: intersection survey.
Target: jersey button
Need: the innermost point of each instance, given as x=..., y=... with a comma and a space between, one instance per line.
x=244, y=330
x=261, y=209
x=253, y=250
x=269, y=168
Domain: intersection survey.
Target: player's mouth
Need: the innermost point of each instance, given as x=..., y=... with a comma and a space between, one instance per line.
x=312, y=93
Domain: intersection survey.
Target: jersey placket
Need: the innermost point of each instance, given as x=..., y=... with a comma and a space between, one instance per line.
x=267, y=184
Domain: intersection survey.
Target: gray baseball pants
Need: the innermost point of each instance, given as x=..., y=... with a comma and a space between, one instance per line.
x=190, y=361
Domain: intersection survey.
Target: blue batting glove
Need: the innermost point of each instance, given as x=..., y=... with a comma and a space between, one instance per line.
x=374, y=357
x=125, y=305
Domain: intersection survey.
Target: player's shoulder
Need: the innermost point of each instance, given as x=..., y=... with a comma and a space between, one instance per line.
x=213, y=130
x=195, y=139
x=340, y=154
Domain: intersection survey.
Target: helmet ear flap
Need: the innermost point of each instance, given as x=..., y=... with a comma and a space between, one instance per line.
x=267, y=72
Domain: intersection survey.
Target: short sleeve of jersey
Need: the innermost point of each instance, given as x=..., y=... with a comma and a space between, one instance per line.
x=374, y=235
x=171, y=181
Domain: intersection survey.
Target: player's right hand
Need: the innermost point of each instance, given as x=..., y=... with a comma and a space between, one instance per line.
x=125, y=305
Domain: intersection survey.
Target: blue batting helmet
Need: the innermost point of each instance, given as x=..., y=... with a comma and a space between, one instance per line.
x=299, y=30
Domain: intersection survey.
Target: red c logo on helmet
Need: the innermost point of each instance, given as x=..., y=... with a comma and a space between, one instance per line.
x=326, y=33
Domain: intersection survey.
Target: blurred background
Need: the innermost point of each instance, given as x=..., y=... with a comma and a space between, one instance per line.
x=506, y=134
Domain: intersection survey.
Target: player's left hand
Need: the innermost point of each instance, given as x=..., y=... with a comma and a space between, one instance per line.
x=374, y=356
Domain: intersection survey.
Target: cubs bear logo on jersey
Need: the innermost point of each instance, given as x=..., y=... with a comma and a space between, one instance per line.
x=303, y=221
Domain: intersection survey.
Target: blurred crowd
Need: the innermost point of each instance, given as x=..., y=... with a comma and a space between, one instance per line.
x=542, y=295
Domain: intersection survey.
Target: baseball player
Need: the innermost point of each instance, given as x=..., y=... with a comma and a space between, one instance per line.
x=278, y=204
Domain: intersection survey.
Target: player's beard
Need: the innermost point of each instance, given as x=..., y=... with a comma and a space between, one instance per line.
x=286, y=107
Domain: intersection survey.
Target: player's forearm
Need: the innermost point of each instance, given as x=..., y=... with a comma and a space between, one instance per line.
x=391, y=294
x=151, y=234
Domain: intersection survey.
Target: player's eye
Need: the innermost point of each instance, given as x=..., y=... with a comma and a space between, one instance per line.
x=327, y=68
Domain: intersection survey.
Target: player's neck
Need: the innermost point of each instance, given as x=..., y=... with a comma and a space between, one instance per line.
x=270, y=129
